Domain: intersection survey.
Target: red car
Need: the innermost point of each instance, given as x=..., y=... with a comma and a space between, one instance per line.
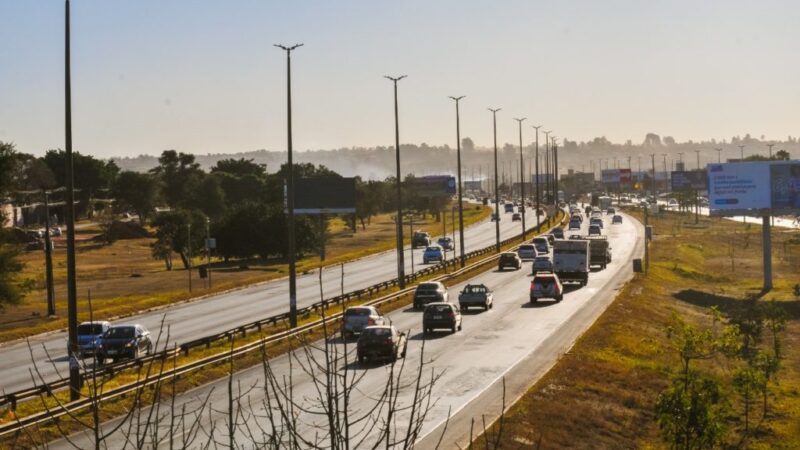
x=546, y=285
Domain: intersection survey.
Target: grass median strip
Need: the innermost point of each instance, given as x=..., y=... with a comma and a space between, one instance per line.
x=115, y=407
x=603, y=392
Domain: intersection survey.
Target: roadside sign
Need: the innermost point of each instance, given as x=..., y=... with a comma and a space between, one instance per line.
x=754, y=188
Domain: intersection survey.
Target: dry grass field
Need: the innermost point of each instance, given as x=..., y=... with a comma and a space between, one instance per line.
x=602, y=393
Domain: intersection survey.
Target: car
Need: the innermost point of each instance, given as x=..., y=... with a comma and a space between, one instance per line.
x=90, y=335
x=516, y=217
x=445, y=242
x=526, y=251
x=356, y=318
x=429, y=292
x=542, y=264
x=381, y=342
x=420, y=239
x=611, y=211
x=577, y=216
x=595, y=230
x=574, y=225
x=508, y=207
x=575, y=236
x=616, y=219
x=432, y=253
x=594, y=221
x=546, y=285
x=542, y=245
x=495, y=217
x=509, y=259
x=124, y=341
x=550, y=238
x=55, y=231
x=672, y=203
x=476, y=295
x=441, y=315
x=558, y=232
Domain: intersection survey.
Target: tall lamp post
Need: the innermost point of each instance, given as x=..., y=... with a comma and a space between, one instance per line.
x=555, y=171
x=521, y=176
x=538, y=198
x=401, y=278
x=547, y=163
x=770, y=150
x=741, y=150
x=460, y=197
x=72, y=291
x=290, y=188
x=719, y=155
x=496, y=192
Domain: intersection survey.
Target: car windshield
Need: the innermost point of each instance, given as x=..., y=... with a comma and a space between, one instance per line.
x=359, y=312
x=432, y=249
x=121, y=332
x=526, y=247
x=438, y=309
x=90, y=328
x=428, y=286
x=475, y=289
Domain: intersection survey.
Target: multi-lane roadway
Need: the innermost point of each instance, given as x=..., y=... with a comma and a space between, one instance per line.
x=192, y=320
x=516, y=341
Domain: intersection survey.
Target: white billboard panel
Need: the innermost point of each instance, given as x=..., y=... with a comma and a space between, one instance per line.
x=760, y=187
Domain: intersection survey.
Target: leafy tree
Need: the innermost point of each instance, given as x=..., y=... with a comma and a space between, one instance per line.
x=90, y=175
x=173, y=235
x=691, y=413
x=177, y=172
x=11, y=291
x=136, y=191
x=205, y=193
x=240, y=168
x=242, y=189
x=245, y=232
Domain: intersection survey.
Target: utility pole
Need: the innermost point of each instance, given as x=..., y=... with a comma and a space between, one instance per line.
x=698, y=159
x=521, y=176
x=72, y=291
x=655, y=190
x=189, y=253
x=719, y=155
x=741, y=150
x=538, y=197
x=48, y=259
x=460, y=187
x=496, y=194
x=208, y=251
x=401, y=278
x=555, y=171
x=411, y=233
x=547, y=164
x=290, y=188
x=770, y=150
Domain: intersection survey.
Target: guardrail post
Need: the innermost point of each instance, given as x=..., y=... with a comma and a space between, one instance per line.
x=12, y=399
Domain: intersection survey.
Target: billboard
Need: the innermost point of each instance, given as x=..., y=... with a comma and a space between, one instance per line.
x=692, y=180
x=616, y=176
x=325, y=195
x=543, y=178
x=435, y=186
x=763, y=187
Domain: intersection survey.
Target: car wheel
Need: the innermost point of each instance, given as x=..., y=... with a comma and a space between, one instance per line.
x=136, y=353
x=361, y=359
x=559, y=298
x=460, y=324
x=491, y=305
x=453, y=329
x=534, y=299
x=149, y=349
x=485, y=306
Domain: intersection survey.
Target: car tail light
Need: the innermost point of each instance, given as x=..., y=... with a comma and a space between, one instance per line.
x=371, y=321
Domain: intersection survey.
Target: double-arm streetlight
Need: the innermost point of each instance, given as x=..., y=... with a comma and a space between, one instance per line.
x=401, y=277
x=460, y=197
x=290, y=187
x=521, y=176
x=496, y=191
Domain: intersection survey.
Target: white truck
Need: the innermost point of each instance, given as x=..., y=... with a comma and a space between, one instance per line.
x=604, y=203
x=571, y=261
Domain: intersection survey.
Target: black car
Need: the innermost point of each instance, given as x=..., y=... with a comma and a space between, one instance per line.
x=381, y=342
x=558, y=232
x=441, y=315
x=124, y=341
x=509, y=259
x=425, y=293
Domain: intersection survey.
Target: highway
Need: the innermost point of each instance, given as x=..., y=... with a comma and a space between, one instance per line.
x=195, y=319
x=515, y=340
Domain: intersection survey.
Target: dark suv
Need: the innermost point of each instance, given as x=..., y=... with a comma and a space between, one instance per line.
x=509, y=259
x=124, y=341
x=441, y=315
x=430, y=292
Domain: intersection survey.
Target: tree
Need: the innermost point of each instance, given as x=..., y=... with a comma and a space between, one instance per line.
x=90, y=175
x=173, y=235
x=176, y=172
x=244, y=232
x=240, y=167
x=691, y=413
x=204, y=192
x=11, y=290
x=136, y=191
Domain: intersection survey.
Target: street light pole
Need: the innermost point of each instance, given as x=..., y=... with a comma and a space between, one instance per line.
x=741, y=149
x=538, y=198
x=496, y=193
x=770, y=150
x=290, y=188
x=460, y=187
x=521, y=176
x=547, y=164
x=48, y=259
x=208, y=251
x=698, y=159
x=72, y=291
x=555, y=171
x=719, y=155
x=401, y=278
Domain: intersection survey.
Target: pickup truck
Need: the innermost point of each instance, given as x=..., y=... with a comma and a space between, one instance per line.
x=571, y=260
x=475, y=295
x=381, y=342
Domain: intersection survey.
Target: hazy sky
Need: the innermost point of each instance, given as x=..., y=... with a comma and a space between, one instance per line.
x=202, y=76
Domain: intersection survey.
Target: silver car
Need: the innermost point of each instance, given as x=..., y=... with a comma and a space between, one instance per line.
x=542, y=264
x=526, y=251
x=356, y=318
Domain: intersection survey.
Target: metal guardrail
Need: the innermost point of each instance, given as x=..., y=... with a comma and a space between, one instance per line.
x=48, y=388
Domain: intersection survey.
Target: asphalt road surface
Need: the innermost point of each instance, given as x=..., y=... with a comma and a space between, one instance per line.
x=516, y=341
x=192, y=320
